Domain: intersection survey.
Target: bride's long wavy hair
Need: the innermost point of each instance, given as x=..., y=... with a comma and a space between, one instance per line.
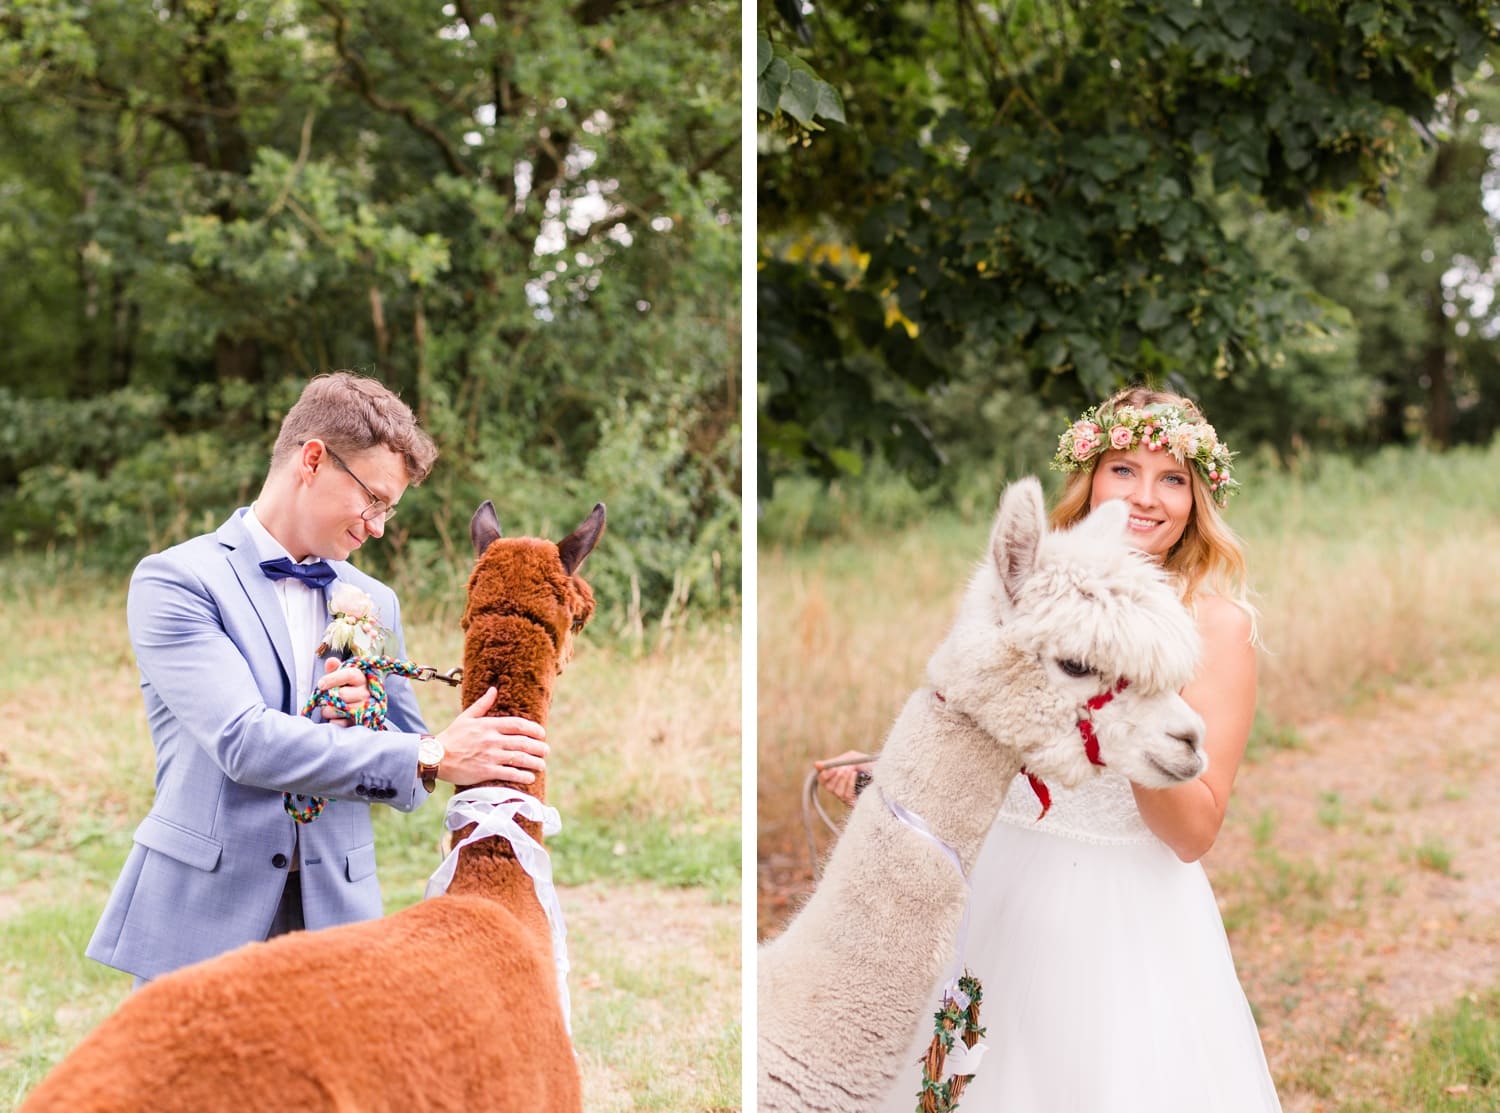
x=1209, y=557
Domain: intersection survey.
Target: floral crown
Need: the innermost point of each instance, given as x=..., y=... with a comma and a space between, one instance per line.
x=1157, y=427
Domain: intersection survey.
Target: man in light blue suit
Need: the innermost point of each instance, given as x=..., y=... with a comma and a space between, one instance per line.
x=225, y=628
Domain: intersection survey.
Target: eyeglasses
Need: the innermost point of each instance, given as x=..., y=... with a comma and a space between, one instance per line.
x=378, y=507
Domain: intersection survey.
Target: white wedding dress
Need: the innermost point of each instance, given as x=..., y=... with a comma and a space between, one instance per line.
x=1108, y=986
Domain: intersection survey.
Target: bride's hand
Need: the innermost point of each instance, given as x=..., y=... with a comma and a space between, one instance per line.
x=840, y=779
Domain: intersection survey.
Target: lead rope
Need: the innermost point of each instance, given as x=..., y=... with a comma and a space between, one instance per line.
x=372, y=714
x=812, y=805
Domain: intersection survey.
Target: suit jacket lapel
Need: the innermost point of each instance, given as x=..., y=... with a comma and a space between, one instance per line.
x=246, y=564
x=327, y=618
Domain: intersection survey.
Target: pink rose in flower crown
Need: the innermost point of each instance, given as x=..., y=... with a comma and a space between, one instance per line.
x=1120, y=437
x=1085, y=439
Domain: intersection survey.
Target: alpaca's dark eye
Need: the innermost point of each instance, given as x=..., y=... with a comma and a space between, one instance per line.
x=577, y=625
x=1073, y=668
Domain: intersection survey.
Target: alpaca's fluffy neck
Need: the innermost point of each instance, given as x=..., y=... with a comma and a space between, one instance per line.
x=949, y=772
x=881, y=928
x=523, y=683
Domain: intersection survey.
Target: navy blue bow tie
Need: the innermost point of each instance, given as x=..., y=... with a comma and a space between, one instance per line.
x=316, y=574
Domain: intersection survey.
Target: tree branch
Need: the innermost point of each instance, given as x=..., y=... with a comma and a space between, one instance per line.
x=360, y=75
x=1016, y=90
x=297, y=166
x=419, y=71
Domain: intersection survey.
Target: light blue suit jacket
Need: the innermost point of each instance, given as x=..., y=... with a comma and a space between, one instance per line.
x=210, y=861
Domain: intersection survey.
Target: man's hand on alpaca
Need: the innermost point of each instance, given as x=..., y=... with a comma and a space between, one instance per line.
x=478, y=747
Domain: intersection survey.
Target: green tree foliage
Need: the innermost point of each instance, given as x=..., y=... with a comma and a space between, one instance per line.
x=1413, y=356
x=1051, y=196
x=787, y=85
x=524, y=217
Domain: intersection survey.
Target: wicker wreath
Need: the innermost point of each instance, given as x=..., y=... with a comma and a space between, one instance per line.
x=950, y=1023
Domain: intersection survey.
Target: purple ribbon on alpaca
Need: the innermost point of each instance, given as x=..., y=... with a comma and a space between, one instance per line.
x=494, y=810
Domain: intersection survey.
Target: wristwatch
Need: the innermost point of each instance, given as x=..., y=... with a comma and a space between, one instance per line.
x=429, y=757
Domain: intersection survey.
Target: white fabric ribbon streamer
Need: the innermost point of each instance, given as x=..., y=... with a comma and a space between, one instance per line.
x=964, y=1061
x=919, y=825
x=495, y=809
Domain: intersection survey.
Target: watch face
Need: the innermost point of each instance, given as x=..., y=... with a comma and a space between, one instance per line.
x=430, y=752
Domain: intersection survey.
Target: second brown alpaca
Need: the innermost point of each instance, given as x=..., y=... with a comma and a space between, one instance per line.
x=450, y=1004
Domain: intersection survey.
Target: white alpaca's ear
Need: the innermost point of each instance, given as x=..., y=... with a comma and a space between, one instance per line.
x=1019, y=525
x=1107, y=520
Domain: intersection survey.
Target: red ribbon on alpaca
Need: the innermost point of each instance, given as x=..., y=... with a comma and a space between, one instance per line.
x=1090, y=743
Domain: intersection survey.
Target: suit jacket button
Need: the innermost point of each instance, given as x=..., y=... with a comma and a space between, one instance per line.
x=278, y=860
x=361, y=790
x=388, y=793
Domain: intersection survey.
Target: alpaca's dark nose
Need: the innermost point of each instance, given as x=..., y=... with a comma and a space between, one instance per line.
x=1191, y=739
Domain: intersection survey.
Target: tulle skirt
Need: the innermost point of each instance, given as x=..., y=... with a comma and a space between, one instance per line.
x=1108, y=986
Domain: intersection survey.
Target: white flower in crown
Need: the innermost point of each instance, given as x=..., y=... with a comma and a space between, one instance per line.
x=354, y=628
x=1183, y=441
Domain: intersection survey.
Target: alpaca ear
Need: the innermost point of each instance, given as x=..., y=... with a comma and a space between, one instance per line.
x=1019, y=525
x=1107, y=520
x=580, y=543
x=484, y=527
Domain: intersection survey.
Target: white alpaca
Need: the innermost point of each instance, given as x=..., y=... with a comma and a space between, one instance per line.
x=1049, y=622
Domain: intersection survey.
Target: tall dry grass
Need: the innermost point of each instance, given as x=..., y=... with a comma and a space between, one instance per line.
x=843, y=632
x=638, y=734
x=1366, y=573
x=1373, y=573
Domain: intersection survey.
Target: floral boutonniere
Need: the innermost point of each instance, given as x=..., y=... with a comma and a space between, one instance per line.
x=354, y=630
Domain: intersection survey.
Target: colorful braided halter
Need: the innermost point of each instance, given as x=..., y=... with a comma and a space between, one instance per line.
x=371, y=715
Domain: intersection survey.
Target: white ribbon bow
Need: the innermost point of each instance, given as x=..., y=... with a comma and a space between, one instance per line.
x=494, y=810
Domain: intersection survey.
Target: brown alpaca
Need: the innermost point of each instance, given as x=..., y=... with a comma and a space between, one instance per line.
x=451, y=1004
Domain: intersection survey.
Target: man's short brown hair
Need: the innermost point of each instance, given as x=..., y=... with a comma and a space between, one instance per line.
x=351, y=413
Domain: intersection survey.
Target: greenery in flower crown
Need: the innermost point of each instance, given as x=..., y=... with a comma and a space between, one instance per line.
x=1157, y=427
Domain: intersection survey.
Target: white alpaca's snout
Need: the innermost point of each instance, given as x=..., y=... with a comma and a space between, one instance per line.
x=1155, y=741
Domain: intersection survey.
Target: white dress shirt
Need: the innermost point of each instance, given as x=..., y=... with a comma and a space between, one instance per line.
x=301, y=605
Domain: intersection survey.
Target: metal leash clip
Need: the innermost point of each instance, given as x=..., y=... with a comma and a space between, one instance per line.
x=453, y=677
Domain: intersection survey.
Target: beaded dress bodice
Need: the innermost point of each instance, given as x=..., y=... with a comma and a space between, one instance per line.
x=1101, y=810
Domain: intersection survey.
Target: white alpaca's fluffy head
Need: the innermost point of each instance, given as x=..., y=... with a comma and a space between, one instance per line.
x=1052, y=620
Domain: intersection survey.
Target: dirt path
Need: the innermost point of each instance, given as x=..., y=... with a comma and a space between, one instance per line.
x=1359, y=877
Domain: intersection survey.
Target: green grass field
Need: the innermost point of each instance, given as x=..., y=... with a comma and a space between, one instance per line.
x=644, y=770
